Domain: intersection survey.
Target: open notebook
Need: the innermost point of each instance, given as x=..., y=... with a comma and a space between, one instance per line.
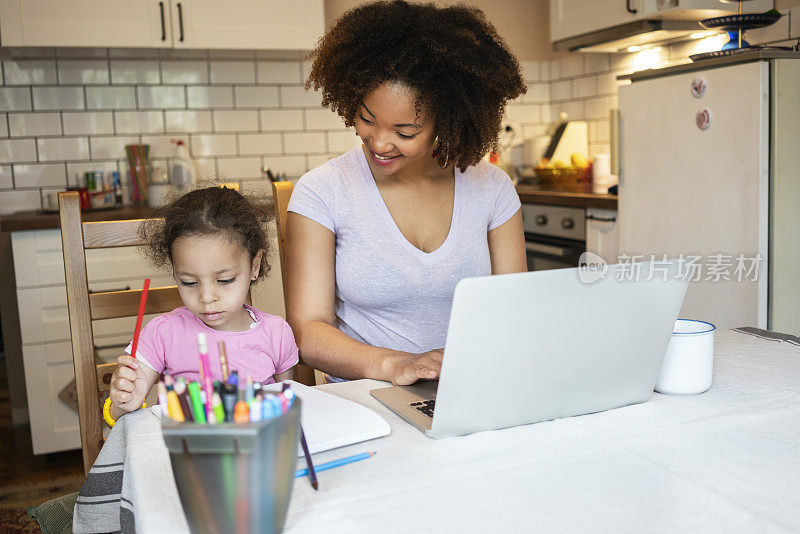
x=330, y=421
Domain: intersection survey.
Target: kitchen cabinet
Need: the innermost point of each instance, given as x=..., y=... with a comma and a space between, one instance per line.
x=569, y=18
x=44, y=325
x=186, y=24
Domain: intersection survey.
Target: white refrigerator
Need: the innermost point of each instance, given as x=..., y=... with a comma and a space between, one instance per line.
x=710, y=174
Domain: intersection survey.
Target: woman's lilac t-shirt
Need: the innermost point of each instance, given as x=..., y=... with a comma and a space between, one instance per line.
x=388, y=292
x=168, y=344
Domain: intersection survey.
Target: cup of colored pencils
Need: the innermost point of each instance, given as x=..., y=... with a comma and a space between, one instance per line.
x=234, y=457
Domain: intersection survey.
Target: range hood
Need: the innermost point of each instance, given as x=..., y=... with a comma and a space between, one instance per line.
x=638, y=33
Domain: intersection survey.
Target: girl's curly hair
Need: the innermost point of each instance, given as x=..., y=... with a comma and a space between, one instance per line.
x=209, y=211
x=461, y=68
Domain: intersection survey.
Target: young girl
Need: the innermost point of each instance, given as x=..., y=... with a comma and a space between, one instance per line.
x=215, y=241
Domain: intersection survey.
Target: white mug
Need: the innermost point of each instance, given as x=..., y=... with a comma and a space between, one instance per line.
x=689, y=361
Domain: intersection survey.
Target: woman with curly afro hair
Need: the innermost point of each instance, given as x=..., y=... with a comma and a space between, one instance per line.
x=378, y=237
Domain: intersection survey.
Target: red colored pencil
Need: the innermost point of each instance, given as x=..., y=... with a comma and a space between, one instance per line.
x=142, y=302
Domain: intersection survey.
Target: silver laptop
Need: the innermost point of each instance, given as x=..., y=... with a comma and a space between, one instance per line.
x=529, y=347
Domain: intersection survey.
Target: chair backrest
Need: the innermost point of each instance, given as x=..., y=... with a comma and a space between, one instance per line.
x=83, y=307
x=281, y=193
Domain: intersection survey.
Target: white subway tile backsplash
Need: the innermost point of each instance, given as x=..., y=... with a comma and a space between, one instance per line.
x=128, y=122
x=46, y=175
x=184, y=72
x=304, y=143
x=307, y=64
x=276, y=120
x=574, y=110
x=298, y=97
x=210, y=97
x=124, y=71
x=339, y=142
x=598, y=108
x=561, y=91
x=533, y=131
x=188, y=121
x=599, y=131
x=266, y=143
x=293, y=166
x=161, y=146
x=29, y=72
x=256, y=97
x=110, y=147
x=523, y=114
x=206, y=168
x=276, y=72
x=599, y=148
x=315, y=160
x=531, y=70
x=58, y=98
x=571, y=66
x=161, y=97
x=233, y=72
x=213, y=145
x=323, y=119
x=585, y=87
x=239, y=168
x=90, y=122
x=6, y=181
x=63, y=148
x=538, y=93
x=596, y=62
x=32, y=124
x=110, y=98
x=607, y=84
x=17, y=150
x=11, y=201
x=15, y=99
x=83, y=72
x=236, y=121
x=3, y=125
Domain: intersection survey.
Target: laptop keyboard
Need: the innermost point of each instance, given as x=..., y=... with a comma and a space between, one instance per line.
x=425, y=407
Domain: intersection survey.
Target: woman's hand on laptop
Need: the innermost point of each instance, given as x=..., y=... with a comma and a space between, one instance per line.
x=411, y=368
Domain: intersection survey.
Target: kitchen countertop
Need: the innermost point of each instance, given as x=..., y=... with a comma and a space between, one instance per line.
x=531, y=194
x=38, y=220
x=710, y=63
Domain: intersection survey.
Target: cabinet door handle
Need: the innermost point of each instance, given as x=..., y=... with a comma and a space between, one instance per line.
x=627, y=6
x=601, y=219
x=180, y=21
x=163, y=22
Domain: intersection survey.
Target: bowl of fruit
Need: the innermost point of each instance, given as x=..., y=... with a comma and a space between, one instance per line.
x=558, y=176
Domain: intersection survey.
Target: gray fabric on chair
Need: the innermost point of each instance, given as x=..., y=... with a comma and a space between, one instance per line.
x=55, y=516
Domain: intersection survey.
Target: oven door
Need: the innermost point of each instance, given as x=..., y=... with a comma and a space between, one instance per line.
x=544, y=252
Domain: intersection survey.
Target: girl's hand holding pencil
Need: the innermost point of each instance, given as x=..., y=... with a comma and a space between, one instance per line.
x=129, y=385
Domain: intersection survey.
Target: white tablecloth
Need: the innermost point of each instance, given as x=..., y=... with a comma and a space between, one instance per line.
x=727, y=460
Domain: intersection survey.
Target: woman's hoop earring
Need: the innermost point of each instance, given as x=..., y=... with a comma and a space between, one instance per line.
x=438, y=151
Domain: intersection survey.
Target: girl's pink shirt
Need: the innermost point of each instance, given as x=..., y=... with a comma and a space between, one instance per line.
x=168, y=344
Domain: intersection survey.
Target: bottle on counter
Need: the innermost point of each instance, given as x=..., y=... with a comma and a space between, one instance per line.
x=183, y=173
x=117, y=188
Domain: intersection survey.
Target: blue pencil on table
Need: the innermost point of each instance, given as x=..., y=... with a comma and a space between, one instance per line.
x=335, y=463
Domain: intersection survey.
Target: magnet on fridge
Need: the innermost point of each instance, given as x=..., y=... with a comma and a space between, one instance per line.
x=703, y=119
x=699, y=86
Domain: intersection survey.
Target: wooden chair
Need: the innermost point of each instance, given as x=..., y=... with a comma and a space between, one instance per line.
x=90, y=378
x=281, y=193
